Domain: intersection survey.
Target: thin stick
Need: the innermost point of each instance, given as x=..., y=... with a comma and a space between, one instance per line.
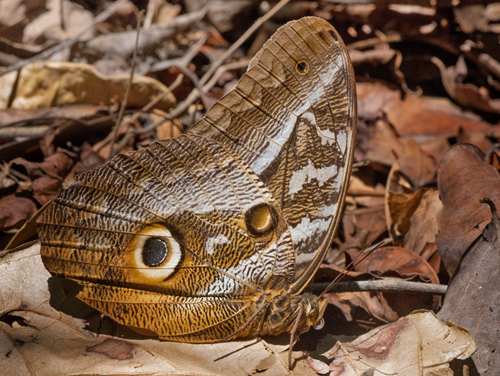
x=292, y=335
x=205, y=82
x=65, y=43
x=61, y=15
x=136, y=115
x=241, y=40
x=127, y=91
x=129, y=135
x=183, y=106
x=373, y=42
x=364, y=254
x=383, y=285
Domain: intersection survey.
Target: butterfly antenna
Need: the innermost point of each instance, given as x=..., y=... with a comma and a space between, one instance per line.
x=355, y=262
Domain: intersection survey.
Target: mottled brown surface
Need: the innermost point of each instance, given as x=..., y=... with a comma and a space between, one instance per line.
x=473, y=297
x=464, y=178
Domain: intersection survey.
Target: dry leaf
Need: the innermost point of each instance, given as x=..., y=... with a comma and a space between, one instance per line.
x=473, y=297
x=401, y=201
x=419, y=115
x=47, y=26
x=14, y=211
x=35, y=339
x=423, y=226
x=48, y=84
x=386, y=146
x=464, y=178
x=416, y=345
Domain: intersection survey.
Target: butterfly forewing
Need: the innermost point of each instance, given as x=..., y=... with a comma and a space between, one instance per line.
x=194, y=238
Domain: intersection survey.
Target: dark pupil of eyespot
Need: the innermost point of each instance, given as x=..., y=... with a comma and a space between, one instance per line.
x=154, y=252
x=302, y=67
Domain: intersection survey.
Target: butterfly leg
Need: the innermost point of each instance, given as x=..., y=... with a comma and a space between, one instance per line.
x=292, y=335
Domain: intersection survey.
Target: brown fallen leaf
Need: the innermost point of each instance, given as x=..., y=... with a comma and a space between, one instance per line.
x=464, y=178
x=401, y=201
x=480, y=140
x=37, y=340
x=423, y=224
x=466, y=94
x=416, y=345
x=46, y=176
x=14, y=211
x=415, y=115
x=386, y=146
x=375, y=304
x=363, y=224
x=411, y=215
x=473, y=296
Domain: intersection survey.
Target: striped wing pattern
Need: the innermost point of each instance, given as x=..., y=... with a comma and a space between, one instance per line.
x=276, y=152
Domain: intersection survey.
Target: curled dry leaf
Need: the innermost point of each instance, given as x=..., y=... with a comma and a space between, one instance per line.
x=385, y=146
x=363, y=224
x=35, y=339
x=466, y=94
x=46, y=176
x=375, y=304
x=14, y=211
x=473, y=297
x=416, y=345
x=464, y=178
x=411, y=215
x=423, y=224
x=48, y=84
x=401, y=201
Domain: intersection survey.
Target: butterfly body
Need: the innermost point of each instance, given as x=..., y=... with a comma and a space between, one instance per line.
x=213, y=235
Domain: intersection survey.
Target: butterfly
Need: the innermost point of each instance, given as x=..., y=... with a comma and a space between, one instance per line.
x=213, y=235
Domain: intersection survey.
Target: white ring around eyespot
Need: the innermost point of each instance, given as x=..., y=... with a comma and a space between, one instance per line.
x=320, y=324
x=167, y=267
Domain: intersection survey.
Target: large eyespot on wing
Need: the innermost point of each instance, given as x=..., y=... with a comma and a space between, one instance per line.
x=153, y=255
x=260, y=220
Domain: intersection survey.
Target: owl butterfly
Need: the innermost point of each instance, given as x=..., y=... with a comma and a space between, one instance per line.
x=213, y=235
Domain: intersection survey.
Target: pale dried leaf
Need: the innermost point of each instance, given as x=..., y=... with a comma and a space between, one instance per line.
x=49, y=84
x=416, y=345
x=35, y=339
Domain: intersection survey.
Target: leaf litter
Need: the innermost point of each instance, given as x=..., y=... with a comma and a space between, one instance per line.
x=428, y=94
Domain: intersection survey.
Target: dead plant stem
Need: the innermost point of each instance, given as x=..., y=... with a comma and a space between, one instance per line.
x=127, y=91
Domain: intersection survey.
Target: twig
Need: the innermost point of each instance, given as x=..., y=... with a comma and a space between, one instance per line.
x=241, y=40
x=136, y=115
x=61, y=15
x=65, y=43
x=131, y=134
x=206, y=80
x=373, y=42
x=363, y=163
x=384, y=285
x=127, y=91
x=221, y=70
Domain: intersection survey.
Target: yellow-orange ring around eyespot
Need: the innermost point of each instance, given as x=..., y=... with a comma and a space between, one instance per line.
x=302, y=67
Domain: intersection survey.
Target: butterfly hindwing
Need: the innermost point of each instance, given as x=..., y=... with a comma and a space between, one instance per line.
x=195, y=238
